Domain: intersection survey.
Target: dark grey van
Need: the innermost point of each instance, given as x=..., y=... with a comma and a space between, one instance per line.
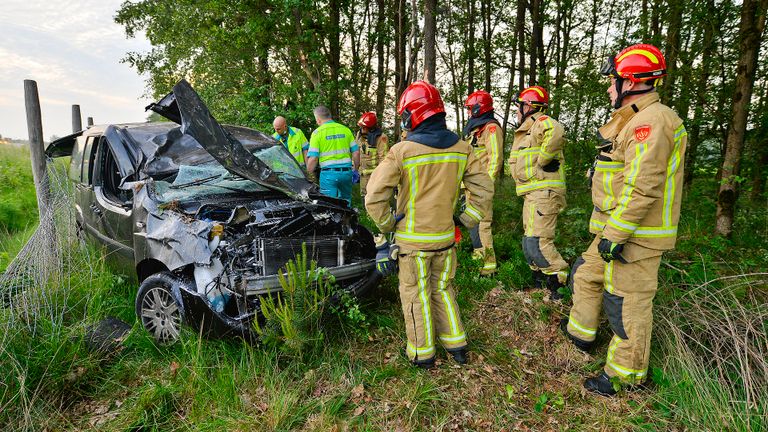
x=207, y=216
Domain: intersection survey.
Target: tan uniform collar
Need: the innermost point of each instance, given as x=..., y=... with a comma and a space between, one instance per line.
x=623, y=115
x=528, y=123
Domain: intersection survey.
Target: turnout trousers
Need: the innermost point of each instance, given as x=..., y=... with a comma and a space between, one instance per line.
x=364, y=184
x=625, y=290
x=540, y=210
x=482, y=242
x=429, y=303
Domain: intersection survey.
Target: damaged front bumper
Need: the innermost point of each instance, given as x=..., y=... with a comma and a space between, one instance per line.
x=356, y=279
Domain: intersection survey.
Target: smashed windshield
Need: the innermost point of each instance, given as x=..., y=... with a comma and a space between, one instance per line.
x=210, y=178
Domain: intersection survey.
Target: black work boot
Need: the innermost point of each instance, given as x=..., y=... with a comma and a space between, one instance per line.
x=538, y=279
x=578, y=343
x=601, y=385
x=460, y=355
x=424, y=364
x=553, y=283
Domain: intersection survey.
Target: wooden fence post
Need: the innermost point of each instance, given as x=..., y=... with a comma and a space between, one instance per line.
x=77, y=120
x=37, y=149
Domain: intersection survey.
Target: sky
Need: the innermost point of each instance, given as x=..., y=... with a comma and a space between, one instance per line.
x=73, y=50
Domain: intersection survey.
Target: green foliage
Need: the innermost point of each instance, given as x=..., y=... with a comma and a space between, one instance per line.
x=351, y=316
x=18, y=202
x=294, y=317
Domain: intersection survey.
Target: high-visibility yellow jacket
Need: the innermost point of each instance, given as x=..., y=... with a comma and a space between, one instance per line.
x=538, y=141
x=370, y=156
x=333, y=144
x=488, y=142
x=428, y=182
x=637, y=185
x=295, y=142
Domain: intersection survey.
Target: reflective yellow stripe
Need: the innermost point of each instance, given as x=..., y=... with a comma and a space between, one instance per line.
x=609, y=166
x=608, y=276
x=425, y=351
x=425, y=310
x=655, y=232
x=413, y=174
x=434, y=158
x=425, y=237
x=461, y=337
x=541, y=184
x=475, y=213
x=636, y=374
x=547, y=137
x=622, y=225
x=629, y=185
x=649, y=55
x=591, y=332
x=489, y=266
x=441, y=286
x=531, y=215
x=385, y=222
x=672, y=167
x=494, y=155
x=594, y=223
x=608, y=189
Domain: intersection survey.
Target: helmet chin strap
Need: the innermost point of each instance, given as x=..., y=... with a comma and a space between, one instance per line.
x=622, y=95
x=525, y=116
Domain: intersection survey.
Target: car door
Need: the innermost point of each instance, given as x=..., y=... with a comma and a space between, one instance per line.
x=111, y=206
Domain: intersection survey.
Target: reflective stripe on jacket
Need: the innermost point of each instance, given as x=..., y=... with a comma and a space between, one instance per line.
x=538, y=141
x=488, y=142
x=371, y=156
x=428, y=182
x=637, y=186
x=333, y=144
x=296, y=143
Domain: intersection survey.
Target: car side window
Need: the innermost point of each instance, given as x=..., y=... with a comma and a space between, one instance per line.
x=89, y=155
x=109, y=177
x=76, y=165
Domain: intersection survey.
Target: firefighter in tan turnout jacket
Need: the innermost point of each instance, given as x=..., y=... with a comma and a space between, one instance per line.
x=486, y=136
x=537, y=165
x=370, y=154
x=636, y=193
x=427, y=169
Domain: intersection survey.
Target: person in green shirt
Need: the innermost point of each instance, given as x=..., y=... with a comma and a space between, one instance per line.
x=292, y=138
x=333, y=146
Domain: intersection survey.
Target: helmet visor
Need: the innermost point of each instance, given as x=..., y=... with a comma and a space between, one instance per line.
x=609, y=67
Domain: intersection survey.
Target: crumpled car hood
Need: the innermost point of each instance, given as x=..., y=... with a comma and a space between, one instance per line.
x=185, y=107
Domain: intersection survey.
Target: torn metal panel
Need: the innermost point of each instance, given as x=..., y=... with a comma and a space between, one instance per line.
x=198, y=122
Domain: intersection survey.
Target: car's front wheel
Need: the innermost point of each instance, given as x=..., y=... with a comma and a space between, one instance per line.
x=158, y=309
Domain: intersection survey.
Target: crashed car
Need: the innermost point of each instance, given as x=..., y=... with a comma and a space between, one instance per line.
x=207, y=216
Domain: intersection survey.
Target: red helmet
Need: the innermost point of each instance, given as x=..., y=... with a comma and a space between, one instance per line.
x=419, y=101
x=534, y=95
x=637, y=63
x=368, y=120
x=479, y=102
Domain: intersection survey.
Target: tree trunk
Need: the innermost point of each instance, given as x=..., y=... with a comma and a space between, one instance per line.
x=672, y=50
x=471, y=47
x=334, y=55
x=759, y=172
x=750, y=34
x=381, y=79
x=430, y=28
x=400, y=24
x=694, y=136
x=537, y=44
x=520, y=30
x=487, y=39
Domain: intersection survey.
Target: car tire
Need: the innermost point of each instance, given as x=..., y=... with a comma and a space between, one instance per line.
x=157, y=308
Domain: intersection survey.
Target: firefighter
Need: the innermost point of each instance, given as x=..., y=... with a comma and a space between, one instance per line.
x=487, y=139
x=370, y=155
x=537, y=165
x=333, y=146
x=292, y=138
x=427, y=169
x=636, y=193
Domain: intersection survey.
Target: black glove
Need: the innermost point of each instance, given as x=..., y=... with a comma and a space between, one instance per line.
x=552, y=166
x=385, y=264
x=610, y=251
x=457, y=221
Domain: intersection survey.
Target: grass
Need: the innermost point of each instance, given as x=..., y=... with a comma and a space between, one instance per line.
x=522, y=375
